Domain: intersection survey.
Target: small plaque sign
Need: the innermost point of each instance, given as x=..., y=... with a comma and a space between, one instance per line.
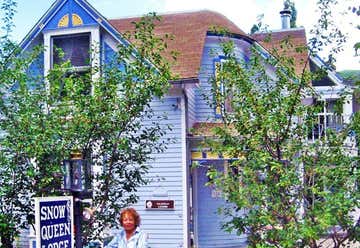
x=159, y=204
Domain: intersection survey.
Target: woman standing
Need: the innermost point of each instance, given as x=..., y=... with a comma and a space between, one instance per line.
x=130, y=236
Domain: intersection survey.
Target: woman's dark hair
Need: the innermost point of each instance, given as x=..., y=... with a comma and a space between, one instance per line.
x=133, y=213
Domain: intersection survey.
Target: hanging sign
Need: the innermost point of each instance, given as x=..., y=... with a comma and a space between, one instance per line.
x=54, y=222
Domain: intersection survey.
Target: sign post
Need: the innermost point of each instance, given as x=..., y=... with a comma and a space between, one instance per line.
x=54, y=222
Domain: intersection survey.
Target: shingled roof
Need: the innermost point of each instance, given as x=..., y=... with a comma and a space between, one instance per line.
x=189, y=31
x=297, y=38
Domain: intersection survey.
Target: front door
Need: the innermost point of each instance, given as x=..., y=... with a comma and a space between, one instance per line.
x=207, y=221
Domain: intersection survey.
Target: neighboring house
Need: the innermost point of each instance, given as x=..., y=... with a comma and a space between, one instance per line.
x=194, y=216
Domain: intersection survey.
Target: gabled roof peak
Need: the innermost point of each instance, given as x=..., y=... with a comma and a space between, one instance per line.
x=73, y=6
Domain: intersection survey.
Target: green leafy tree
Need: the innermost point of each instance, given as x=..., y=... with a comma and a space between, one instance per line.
x=260, y=26
x=288, y=4
x=108, y=119
x=284, y=189
x=356, y=11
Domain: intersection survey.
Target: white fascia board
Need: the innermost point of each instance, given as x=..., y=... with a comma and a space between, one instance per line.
x=40, y=25
x=330, y=73
x=328, y=92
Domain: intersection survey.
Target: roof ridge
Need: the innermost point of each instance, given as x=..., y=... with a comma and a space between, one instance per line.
x=166, y=13
x=280, y=30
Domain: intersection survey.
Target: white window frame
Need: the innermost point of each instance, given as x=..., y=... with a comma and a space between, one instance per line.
x=94, y=47
x=218, y=65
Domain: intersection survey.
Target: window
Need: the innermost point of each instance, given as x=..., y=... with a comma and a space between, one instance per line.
x=73, y=48
x=219, y=88
x=221, y=94
x=79, y=46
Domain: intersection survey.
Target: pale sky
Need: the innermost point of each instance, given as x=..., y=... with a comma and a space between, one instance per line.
x=242, y=12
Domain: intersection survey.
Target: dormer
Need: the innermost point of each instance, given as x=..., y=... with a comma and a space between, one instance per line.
x=75, y=28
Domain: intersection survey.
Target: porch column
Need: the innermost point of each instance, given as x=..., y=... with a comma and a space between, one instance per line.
x=347, y=108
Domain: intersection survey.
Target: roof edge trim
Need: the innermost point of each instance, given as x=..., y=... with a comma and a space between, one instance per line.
x=232, y=35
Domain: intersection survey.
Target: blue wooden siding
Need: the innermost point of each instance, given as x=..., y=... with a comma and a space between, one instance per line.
x=50, y=20
x=109, y=55
x=70, y=7
x=35, y=70
x=209, y=222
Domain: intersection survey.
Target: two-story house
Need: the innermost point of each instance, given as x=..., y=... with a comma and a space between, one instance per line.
x=192, y=218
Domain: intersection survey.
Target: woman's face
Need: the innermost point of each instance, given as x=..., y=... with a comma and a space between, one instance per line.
x=128, y=222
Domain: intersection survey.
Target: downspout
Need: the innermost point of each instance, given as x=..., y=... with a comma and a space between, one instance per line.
x=185, y=166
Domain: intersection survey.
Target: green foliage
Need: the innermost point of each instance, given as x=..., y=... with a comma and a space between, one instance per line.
x=325, y=33
x=106, y=118
x=254, y=29
x=8, y=9
x=350, y=77
x=356, y=48
x=284, y=189
x=288, y=4
x=259, y=26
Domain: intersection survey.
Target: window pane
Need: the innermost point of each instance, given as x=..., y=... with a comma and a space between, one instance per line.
x=75, y=48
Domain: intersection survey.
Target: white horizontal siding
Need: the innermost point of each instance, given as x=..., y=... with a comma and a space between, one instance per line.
x=191, y=107
x=165, y=227
x=212, y=50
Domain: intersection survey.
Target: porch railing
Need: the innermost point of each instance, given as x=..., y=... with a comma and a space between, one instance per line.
x=327, y=121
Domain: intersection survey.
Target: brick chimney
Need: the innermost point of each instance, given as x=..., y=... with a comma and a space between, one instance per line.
x=285, y=18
